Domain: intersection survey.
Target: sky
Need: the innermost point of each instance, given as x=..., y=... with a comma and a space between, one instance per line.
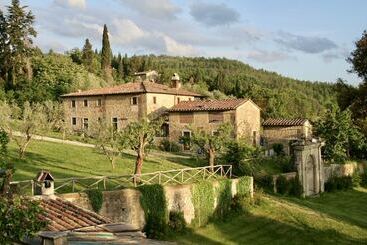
x=307, y=40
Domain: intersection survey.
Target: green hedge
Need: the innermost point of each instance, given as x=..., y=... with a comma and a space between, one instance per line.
x=339, y=183
x=243, y=186
x=224, y=199
x=203, y=200
x=153, y=201
x=95, y=197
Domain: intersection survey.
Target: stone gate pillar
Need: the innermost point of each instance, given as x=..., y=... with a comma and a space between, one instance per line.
x=309, y=166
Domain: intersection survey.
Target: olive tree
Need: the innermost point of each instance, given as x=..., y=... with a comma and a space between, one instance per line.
x=138, y=136
x=22, y=123
x=212, y=142
x=108, y=140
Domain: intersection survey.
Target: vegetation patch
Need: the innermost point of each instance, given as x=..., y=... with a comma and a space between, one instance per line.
x=224, y=199
x=154, y=203
x=95, y=197
x=170, y=146
x=339, y=183
x=244, y=185
x=177, y=221
x=203, y=200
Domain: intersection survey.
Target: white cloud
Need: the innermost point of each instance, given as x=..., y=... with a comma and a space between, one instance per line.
x=264, y=56
x=126, y=31
x=157, y=9
x=79, y=4
x=175, y=48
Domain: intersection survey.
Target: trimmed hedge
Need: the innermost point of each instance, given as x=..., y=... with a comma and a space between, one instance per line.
x=95, y=197
x=243, y=186
x=153, y=201
x=203, y=200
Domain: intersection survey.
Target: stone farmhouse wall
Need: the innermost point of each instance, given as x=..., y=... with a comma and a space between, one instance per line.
x=117, y=106
x=124, y=205
x=245, y=120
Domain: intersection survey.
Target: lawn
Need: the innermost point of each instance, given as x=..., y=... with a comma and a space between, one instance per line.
x=333, y=218
x=75, y=161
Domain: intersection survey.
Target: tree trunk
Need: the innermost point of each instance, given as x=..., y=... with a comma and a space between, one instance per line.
x=211, y=159
x=112, y=160
x=23, y=148
x=138, y=167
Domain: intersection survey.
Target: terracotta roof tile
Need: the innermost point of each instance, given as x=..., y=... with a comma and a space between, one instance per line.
x=271, y=122
x=132, y=88
x=65, y=216
x=208, y=105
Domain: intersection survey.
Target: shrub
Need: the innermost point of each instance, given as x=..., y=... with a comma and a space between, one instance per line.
x=203, y=200
x=282, y=185
x=177, y=221
x=170, y=146
x=154, y=203
x=265, y=182
x=364, y=179
x=356, y=179
x=95, y=197
x=224, y=199
x=278, y=149
x=339, y=183
x=296, y=188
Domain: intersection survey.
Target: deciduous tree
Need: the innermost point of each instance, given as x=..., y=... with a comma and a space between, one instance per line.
x=212, y=143
x=138, y=136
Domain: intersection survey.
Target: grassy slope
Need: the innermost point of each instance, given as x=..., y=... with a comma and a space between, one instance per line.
x=334, y=218
x=72, y=161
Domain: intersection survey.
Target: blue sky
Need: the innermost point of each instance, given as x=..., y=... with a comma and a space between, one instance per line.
x=302, y=39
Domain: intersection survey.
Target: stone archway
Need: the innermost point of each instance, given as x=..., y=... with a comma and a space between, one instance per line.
x=309, y=166
x=310, y=170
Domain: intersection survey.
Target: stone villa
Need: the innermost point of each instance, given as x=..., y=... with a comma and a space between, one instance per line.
x=123, y=103
x=243, y=114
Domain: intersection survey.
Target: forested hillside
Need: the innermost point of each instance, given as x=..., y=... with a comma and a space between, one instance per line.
x=27, y=74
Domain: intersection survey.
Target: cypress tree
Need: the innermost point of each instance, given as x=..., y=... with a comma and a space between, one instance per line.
x=106, y=55
x=88, y=55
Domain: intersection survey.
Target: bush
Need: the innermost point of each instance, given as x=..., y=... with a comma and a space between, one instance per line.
x=356, y=179
x=177, y=221
x=296, y=188
x=278, y=149
x=154, y=203
x=95, y=197
x=170, y=146
x=203, y=200
x=224, y=199
x=364, y=179
x=265, y=182
x=282, y=185
x=339, y=183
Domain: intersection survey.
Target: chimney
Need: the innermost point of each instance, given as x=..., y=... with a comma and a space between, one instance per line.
x=176, y=83
x=44, y=184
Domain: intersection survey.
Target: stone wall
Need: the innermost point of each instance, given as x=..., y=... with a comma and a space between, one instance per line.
x=124, y=205
x=340, y=170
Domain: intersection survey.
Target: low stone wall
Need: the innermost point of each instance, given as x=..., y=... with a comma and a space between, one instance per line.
x=124, y=205
x=340, y=170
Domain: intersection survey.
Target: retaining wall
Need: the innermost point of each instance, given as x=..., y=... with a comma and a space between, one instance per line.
x=340, y=170
x=124, y=205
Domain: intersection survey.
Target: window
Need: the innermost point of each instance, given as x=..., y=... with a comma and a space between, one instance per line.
x=186, y=117
x=154, y=100
x=85, y=123
x=85, y=103
x=115, y=123
x=215, y=117
x=164, y=130
x=73, y=121
x=254, y=138
x=178, y=100
x=134, y=100
x=186, y=135
x=99, y=102
x=73, y=104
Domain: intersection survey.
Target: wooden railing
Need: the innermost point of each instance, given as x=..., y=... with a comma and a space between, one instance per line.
x=176, y=176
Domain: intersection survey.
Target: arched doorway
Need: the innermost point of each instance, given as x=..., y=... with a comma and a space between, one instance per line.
x=311, y=176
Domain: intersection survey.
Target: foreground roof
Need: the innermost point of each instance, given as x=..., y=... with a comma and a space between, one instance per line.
x=271, y=122
x=133, y=88
x=65, y=216
x=208, y=105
